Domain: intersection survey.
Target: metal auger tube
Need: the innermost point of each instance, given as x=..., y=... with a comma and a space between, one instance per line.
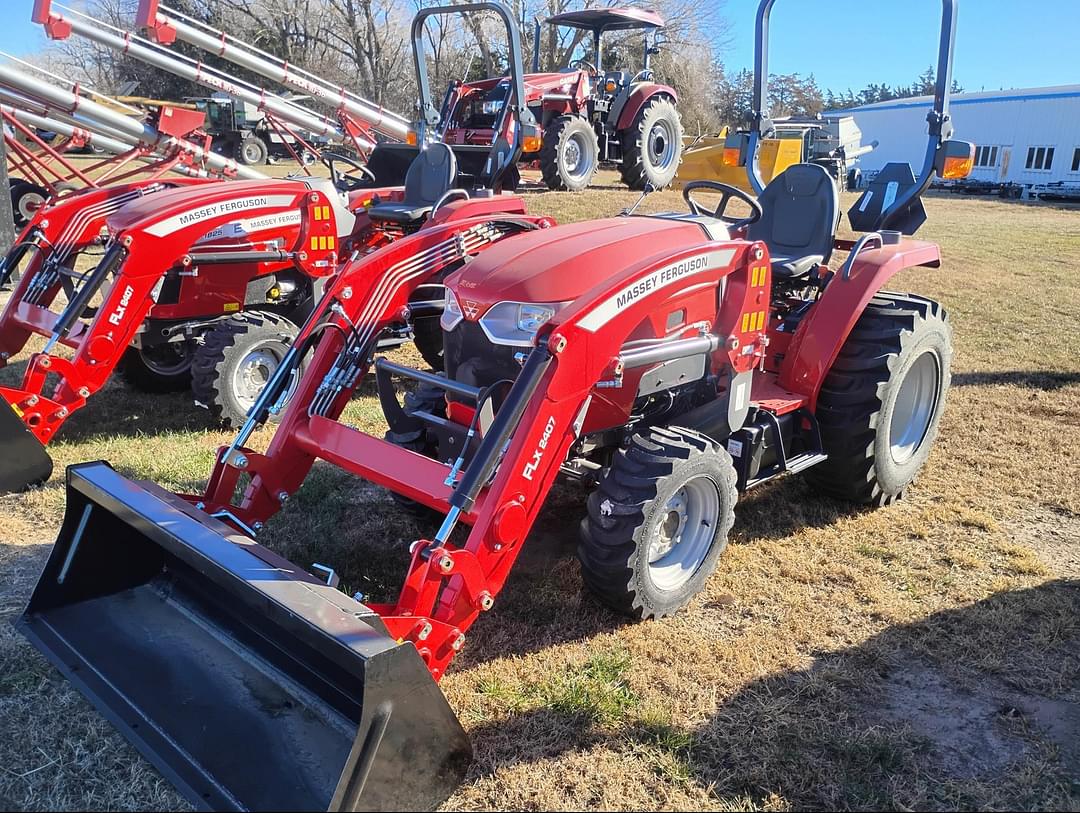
x=119, y=123
x=281, y=72
x=145, y=51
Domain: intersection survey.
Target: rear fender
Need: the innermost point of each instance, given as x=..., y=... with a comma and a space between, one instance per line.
x=638, y=98
x=457, y=210
x=825, y=328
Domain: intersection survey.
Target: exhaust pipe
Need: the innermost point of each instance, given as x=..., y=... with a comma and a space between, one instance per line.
x=247, y=682
x=24, y=461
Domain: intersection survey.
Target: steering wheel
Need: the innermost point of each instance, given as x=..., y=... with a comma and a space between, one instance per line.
x=584, y=63
x=727, y=192
x=345, y=182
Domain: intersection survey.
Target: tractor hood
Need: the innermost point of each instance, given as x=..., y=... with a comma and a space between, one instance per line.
x=562, y=263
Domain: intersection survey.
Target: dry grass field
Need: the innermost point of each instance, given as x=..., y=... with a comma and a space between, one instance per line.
x=922, y=656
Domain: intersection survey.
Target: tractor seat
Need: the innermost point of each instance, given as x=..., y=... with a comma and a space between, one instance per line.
x=344, y=218
x=800, y=210
x=431, y=175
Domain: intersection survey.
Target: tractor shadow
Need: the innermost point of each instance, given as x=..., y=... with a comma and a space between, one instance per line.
x=970, y=707
x=1026, y=379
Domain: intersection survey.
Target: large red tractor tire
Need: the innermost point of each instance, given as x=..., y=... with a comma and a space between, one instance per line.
x=658, y=522
x=652, y=145
x=881, y=403
x=163, y=368
x=236, y=360
x=569, y=154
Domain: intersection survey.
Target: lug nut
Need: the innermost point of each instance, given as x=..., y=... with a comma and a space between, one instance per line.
x=46, y=362
x=486, y=601
x=458, y=642
x=32, y=400
x=62, y=412
x=424, y=632
x=283, y=496
x=84, y=392
x=258, y=526
x=446, y=564
x=240, y=461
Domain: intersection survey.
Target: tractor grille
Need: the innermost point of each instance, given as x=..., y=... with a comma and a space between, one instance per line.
x=471, y=358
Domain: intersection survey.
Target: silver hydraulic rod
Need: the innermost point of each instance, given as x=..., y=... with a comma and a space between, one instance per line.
x=85, y=110
x=145, y=51
x=279, y=71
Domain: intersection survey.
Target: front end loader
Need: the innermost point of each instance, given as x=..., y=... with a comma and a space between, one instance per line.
x=665, y=362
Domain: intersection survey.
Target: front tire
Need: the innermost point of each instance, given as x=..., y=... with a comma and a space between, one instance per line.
x=158, y=369
x=570, y=154
x=658, y=522
x=252, y=151
x=881, y=403
x=652, y=145
x=236, y=360
x=26, y=199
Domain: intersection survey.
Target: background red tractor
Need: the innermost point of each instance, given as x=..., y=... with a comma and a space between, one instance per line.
x=592, y=113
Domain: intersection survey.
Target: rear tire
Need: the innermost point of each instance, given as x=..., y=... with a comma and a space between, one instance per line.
x=570, y=154
x=658, y=522
x=236, y=360
x=882, y=400
x=652, y=145
x=252, y=151
x=162, y=368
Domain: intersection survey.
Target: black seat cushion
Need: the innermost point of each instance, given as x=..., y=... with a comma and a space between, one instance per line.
x=800, y=210
x=431, y=175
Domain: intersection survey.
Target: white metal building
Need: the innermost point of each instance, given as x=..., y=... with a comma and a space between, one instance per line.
x=1027, y=137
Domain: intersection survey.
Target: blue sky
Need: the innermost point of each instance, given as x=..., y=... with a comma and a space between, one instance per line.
x=1000, y=43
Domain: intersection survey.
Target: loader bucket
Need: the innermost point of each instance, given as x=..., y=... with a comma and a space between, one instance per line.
x=23, y=460
x=250, y=684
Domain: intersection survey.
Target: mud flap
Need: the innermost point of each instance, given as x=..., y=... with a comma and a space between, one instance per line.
x=23, y=460
x=249, y=683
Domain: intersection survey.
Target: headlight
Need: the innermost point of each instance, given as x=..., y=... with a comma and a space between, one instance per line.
x=451, y=314
x=516, y=323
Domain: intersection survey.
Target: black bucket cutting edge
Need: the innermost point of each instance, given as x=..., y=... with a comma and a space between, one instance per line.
x=247, y=682
x=23, y=460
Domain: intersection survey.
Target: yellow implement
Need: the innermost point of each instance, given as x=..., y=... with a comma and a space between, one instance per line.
x=705, y=161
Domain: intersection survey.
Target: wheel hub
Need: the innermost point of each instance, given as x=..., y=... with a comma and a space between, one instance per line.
x=915, y=406
x=661, y=145
x=252, y=374
x=173, y=358
x=576, y=157
x=684, y=534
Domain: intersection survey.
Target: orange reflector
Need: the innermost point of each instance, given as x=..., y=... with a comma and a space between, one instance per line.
x=410, y=138
x=957, y=168
x=731, y=156
x=531, y=143
x=315, y=243
x=231, y=307
x=610, y=86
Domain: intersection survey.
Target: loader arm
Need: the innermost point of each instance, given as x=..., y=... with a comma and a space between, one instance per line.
x=147, y=238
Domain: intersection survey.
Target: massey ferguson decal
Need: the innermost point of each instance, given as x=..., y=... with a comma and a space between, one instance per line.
x=658, y=279
x=243, y=228
x=225, y=207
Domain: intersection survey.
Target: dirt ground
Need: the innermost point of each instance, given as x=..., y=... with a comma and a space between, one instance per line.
x=922, y=656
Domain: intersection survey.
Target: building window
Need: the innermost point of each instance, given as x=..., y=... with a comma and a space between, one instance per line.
x=986, y=156
x=1041, y=158
x=1076, y=160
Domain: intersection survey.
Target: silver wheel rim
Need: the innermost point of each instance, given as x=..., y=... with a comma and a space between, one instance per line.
x=30, y=203
x=661, y=143
x=167, y=359
x=684, y=533
x=576, y=157
x=251, y=153
x=914, y=408
x=253, y=373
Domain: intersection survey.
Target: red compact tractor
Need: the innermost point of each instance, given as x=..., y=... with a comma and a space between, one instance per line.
x=665, y=362
x=209, y=282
